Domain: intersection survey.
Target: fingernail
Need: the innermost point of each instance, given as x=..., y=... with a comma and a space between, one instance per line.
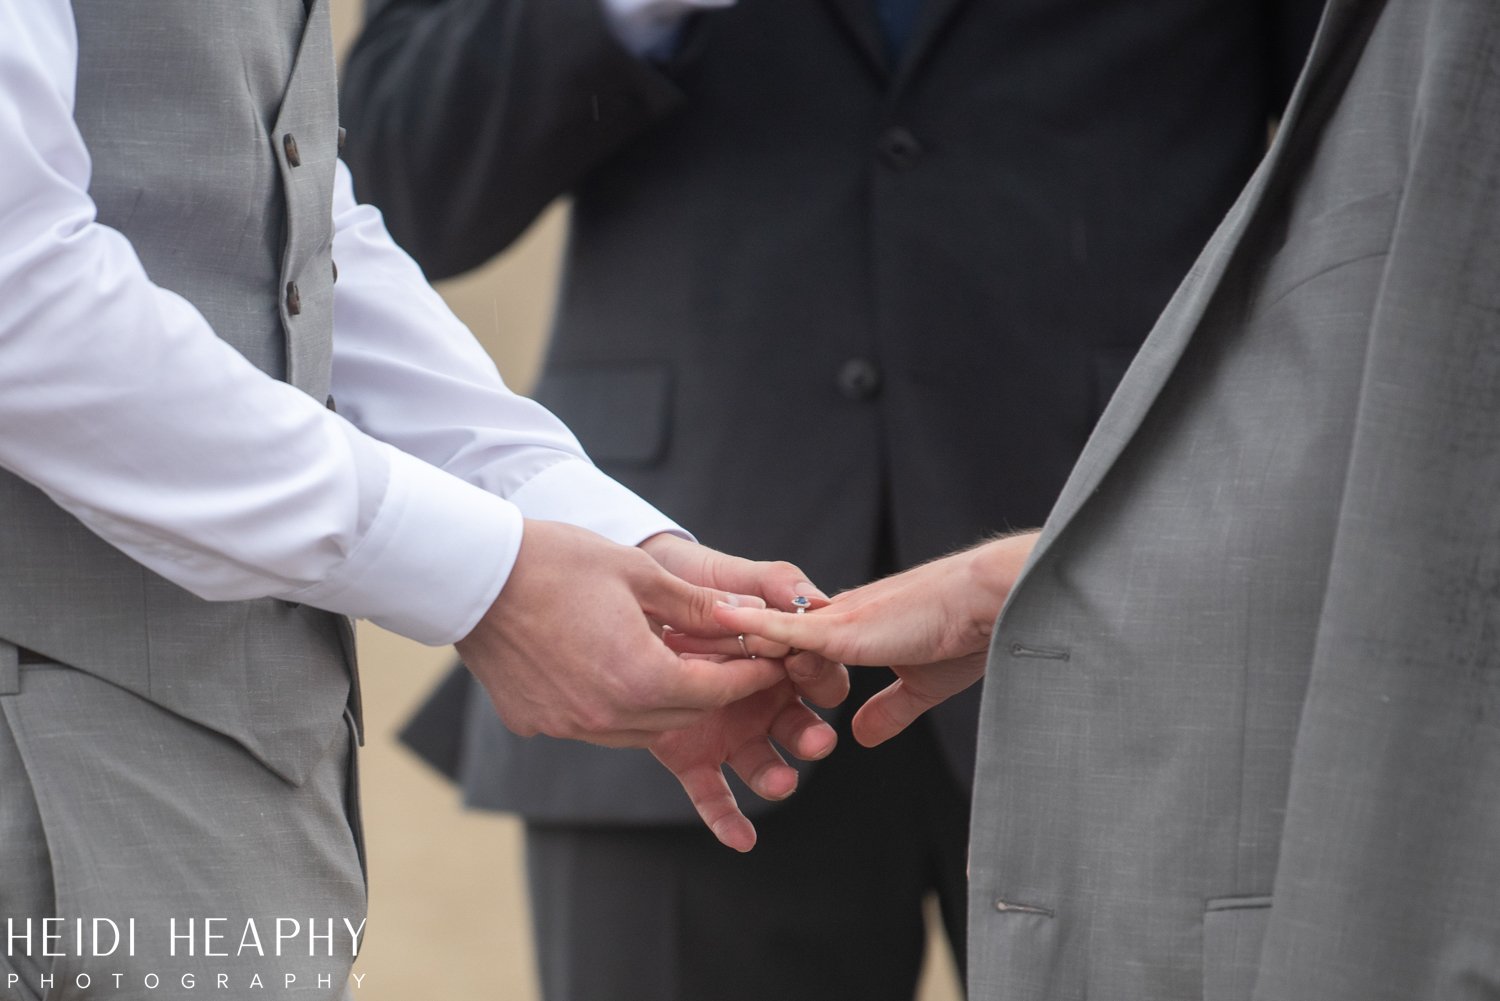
x=742, y=601
x=808, y=590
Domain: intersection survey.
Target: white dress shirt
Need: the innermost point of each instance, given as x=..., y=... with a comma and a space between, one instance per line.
x=648, y=28
x=118, y=400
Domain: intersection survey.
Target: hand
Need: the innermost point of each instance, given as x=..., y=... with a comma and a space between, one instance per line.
x=821, y=681
x=932, y=624
x=572, y=646
x=738, y=735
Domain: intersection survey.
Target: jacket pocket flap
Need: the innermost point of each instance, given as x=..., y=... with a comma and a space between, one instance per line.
x=1233, y=929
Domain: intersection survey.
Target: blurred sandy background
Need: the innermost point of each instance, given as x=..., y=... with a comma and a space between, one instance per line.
x=447, y=890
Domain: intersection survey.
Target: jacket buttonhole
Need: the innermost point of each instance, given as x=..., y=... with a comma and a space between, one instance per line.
x=1040, y=652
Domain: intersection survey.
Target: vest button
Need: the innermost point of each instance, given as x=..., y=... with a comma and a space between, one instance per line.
x=859, y=379
x=899, y=149
x=293, y=155
x=343, y=134
x=293, y=299
x=335, y=265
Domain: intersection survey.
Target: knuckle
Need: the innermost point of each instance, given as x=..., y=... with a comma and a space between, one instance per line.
x=639, y=564
x=921, y=698
x=520, y=724
x=637, y=696
x=593, y=719
x=633, y=692
x=702, y=603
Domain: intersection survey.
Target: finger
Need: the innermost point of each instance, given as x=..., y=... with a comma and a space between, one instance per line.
x=890, y=711
x=805, y=632
x=779, y=583
x=821, y=681
x=616, y=738
x=803, y=733
x=657, y=721
x=702, y=684
x=716, y=806
x=765, y=771
x=688, y=608
x=741, y=645
x=661, y=627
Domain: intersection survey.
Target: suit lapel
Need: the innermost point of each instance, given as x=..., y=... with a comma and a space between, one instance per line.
x=933, y=19
x=1336, y=46
x=858, y=16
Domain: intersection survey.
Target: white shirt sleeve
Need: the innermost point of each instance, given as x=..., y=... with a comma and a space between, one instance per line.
x=119, y=401
x=648, y=28
x=408, y=372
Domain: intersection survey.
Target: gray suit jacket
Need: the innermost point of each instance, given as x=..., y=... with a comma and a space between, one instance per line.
x=1241, y=736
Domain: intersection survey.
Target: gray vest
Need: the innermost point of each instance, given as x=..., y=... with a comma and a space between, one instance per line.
x=213, y=130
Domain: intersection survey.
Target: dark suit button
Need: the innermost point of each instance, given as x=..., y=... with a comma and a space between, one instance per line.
x=899, y=148
x=293, y=156
x=342, y=136
x=332, y=406
x=335, y=265
x=859, y=379
x=293, y=299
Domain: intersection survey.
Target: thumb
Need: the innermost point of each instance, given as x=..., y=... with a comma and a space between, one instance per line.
x=688, y=608
x=889, y=711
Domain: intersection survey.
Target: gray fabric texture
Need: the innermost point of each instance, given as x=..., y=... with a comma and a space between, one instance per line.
x=193, y=760
x=115, y=808
x=185, y=108
x=1267, y=597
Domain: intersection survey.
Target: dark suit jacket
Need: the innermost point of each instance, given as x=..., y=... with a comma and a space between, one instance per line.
x=1242, y=732
x=807, y=295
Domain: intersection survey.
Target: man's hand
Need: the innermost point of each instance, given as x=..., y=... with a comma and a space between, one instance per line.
x=931, y=623
x=572, y=646
x=821, y=681
x=740, y=735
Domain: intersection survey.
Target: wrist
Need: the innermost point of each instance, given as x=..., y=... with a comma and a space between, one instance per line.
x=993, y=571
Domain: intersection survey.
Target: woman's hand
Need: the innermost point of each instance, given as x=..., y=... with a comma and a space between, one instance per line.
x=932, y=624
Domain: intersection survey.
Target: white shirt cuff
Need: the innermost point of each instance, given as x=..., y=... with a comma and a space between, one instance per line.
x=576, y=492
x=432, y=561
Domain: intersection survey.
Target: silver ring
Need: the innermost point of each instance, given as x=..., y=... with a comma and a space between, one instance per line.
x=744, y=649
x=801, y=604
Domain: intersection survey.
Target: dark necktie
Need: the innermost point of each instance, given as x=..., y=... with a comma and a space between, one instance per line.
x=898, y=18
